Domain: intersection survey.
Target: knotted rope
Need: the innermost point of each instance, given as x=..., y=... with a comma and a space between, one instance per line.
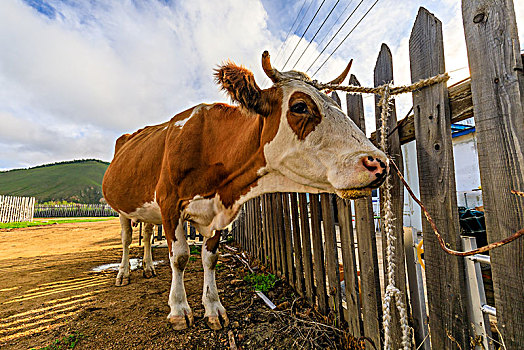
x=386, y=92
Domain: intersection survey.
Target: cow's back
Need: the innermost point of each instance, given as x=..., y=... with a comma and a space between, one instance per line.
x=132, y=176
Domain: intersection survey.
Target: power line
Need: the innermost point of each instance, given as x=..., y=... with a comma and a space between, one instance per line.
x=290, y=29
x=335, y=23
x=318, y=30
x=316, y=13
x=356, y=25
x=338, y=31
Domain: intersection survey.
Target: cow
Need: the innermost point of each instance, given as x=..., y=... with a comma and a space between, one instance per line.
x=204, y=163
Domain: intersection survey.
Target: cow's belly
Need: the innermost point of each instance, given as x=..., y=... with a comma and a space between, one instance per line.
x=148, y=212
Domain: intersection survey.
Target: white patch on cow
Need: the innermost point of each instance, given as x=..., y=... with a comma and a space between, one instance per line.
x=209, y=214
x=178, y=260
x=329, y=158
x=148, y=212
x=210, y=299
x=181, y=123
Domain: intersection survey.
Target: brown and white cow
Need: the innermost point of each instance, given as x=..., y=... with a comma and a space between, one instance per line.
x=204, y=163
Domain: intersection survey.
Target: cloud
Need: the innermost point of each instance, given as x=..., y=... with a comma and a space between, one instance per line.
x=76, y=75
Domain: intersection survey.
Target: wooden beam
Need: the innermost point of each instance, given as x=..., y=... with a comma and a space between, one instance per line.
x=460, y=104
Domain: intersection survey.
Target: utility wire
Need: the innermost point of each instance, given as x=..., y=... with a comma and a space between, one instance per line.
x=318, y=30
x=305, y=31
x=338, y=31
x=335, y=23
x=356, y=25
x=290, y=29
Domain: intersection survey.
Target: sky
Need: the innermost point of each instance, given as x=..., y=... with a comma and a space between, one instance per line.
x=75, y=75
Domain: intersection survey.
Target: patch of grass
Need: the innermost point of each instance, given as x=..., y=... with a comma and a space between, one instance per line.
x=48, y=222
x=261, y=282
x=67, y=342
x=194, y=249
x=192, y=258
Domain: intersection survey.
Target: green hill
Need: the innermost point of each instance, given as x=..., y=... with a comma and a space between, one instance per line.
x=77, y=181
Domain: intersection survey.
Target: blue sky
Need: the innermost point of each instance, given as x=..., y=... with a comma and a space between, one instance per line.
x=74, y=75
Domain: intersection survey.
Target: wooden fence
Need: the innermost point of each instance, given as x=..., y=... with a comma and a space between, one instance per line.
x=308, y=239
x=74, y=210
x=16, y=208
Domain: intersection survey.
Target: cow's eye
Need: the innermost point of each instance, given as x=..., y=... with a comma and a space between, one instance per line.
x=300, y=107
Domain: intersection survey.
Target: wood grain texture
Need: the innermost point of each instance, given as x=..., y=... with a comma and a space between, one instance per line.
x=366, y=238
x=497, y=84
x=384, y=74
x=288, y=239
x=460, y=104
x=297, y=245
x=347, y=242
x=318, y=254
x=445, y=276
x=330, y=244
x=305, y=232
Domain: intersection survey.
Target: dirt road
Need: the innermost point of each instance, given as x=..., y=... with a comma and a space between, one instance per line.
x=48, y=292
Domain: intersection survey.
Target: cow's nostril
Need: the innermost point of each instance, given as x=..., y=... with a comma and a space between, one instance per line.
x=370, y=158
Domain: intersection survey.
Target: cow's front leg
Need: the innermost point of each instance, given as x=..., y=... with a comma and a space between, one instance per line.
x=122, y=277
x=215, y=315
x=181, y=315
x=147, y=261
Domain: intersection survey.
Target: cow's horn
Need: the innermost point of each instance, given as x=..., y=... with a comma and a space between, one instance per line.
x=342, y=76
x=271, y=72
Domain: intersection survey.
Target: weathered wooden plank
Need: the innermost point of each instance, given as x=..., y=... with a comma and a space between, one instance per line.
x=384, y=74
x=347, y=241
x=265, y=219
x=307, y=257
x=330, y=243
x=366, y=238
x=297, y=246
x=288, y=238
x=461, y=106
x=272, y=242
x=497, y=82
x=281, y=253
x=446, y=289
x=318, y=254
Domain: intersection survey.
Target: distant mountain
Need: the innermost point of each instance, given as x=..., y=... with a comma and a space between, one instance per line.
x=77, y=181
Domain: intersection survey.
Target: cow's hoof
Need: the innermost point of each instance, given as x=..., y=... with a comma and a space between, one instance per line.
x=149, y=273
x=181, y=322
x=217, y=322
x=121, y=280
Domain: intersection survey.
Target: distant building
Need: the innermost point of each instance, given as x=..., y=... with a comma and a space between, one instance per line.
x=467, y=175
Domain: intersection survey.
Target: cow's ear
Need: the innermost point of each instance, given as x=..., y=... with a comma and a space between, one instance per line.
x=240, y=84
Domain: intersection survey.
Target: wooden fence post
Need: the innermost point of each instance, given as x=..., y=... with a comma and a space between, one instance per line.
x=366, y=238
x=444, y=274
x=318, y=253
x=384, y=74
x=497, y=84
x=330, y=243
x=347, y=240
x=297, y=246
x=288, y=238
x=306, y=248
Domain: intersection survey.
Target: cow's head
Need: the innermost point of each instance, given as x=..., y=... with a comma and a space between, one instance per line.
x=316, y=144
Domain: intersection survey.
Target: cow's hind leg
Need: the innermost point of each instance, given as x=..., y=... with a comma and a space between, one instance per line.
x=147, y=261
x=123, y=271
x=215, y=315
x=181, y=315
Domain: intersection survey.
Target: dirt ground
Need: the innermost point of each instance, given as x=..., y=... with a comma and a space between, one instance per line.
x=48, y=291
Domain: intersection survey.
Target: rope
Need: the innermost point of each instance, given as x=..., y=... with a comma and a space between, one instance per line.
x=393, y=294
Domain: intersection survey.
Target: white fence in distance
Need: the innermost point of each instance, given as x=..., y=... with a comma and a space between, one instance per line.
x=16, y=208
